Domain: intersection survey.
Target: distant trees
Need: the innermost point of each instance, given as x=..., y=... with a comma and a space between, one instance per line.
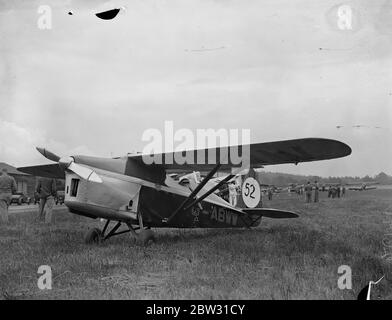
x=284, y=179
x=383, y=178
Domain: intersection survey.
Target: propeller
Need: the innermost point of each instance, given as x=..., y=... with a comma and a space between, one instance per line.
x=48, y=155
x=68, y=163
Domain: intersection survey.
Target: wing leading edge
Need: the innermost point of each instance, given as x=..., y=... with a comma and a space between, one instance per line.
x=260, y=154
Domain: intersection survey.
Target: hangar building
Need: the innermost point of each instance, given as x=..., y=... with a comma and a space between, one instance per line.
x=25, y=183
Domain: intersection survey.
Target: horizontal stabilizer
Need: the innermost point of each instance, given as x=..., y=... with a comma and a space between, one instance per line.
x=271, y=213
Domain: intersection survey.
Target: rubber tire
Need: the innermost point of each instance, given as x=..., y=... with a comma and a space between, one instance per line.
x=93, y=236
x=145, y=236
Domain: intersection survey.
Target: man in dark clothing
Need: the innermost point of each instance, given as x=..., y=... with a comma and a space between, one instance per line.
x=308, y=192
x=46, y=190
x=7, y=188
x=269, y=193
x=316, y=192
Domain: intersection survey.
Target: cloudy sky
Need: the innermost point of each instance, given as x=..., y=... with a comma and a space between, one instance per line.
x=281, y=68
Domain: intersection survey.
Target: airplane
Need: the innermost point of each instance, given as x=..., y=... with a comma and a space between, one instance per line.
x=294, y=187
x=363, y=187
x=141, y=196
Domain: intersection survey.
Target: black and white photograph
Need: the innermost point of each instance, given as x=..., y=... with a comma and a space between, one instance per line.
x=214, y=152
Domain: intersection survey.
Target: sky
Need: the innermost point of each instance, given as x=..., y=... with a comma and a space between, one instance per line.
x=282, y=69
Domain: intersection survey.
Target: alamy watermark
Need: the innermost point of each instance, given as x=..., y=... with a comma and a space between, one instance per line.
x=44, y=21
x=44, y=281
x=205, y=146
x=345, y=280
x=345, y=17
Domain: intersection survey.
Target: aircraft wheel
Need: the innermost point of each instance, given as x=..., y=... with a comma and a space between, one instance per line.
x=145, y=236
x=94, y=236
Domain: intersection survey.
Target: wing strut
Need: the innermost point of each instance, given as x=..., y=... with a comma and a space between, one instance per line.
x=193, y=194
x=196, y=201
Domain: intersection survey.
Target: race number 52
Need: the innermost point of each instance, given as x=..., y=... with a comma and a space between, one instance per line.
x=251, y=192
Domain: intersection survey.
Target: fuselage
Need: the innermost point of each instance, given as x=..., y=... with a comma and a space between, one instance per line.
x=123, y=194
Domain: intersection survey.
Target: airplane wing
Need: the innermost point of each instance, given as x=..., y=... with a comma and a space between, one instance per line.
x=46, y=170
x=261, y=154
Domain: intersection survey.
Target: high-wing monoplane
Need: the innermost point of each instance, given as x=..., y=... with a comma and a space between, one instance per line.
x=364, y=187
x=129, y=191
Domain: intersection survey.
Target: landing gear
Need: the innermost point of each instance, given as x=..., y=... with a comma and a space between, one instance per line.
x=142, y=235
x=145, y=236
x=94, y=236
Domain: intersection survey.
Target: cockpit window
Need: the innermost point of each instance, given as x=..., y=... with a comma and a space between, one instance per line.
x=74, y=187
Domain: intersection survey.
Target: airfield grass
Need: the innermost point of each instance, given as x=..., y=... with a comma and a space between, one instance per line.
x=281, y=259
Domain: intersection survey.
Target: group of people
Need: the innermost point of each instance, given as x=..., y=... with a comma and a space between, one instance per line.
x=333, y=191
x=45, y=188
x=308, y=192
x=336, y=191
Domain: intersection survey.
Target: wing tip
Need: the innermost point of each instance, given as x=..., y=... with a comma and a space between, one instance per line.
x=341, y=149
x=344, y=148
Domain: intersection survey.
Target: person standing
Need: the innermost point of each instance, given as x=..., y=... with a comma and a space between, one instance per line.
x=46, y=190
x=316, y=192
x=7, y=188
x=233, y=193
x=343, y=191
x=308, y=192
x=269, y=193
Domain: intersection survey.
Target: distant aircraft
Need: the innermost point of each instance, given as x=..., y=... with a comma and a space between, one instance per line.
x=295, y=187
x=358, y=126
x=143, y=196
x=363, y=187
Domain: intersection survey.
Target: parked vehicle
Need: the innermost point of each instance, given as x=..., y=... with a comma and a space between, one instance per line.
x=60, y=197
x=19, y=198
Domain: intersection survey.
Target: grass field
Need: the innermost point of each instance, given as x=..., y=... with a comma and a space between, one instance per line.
x=281, y=259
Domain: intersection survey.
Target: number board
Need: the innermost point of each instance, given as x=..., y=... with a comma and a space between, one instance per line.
x=251, y=192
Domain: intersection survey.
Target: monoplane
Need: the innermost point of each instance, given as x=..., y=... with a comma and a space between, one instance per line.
x=128, y=191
